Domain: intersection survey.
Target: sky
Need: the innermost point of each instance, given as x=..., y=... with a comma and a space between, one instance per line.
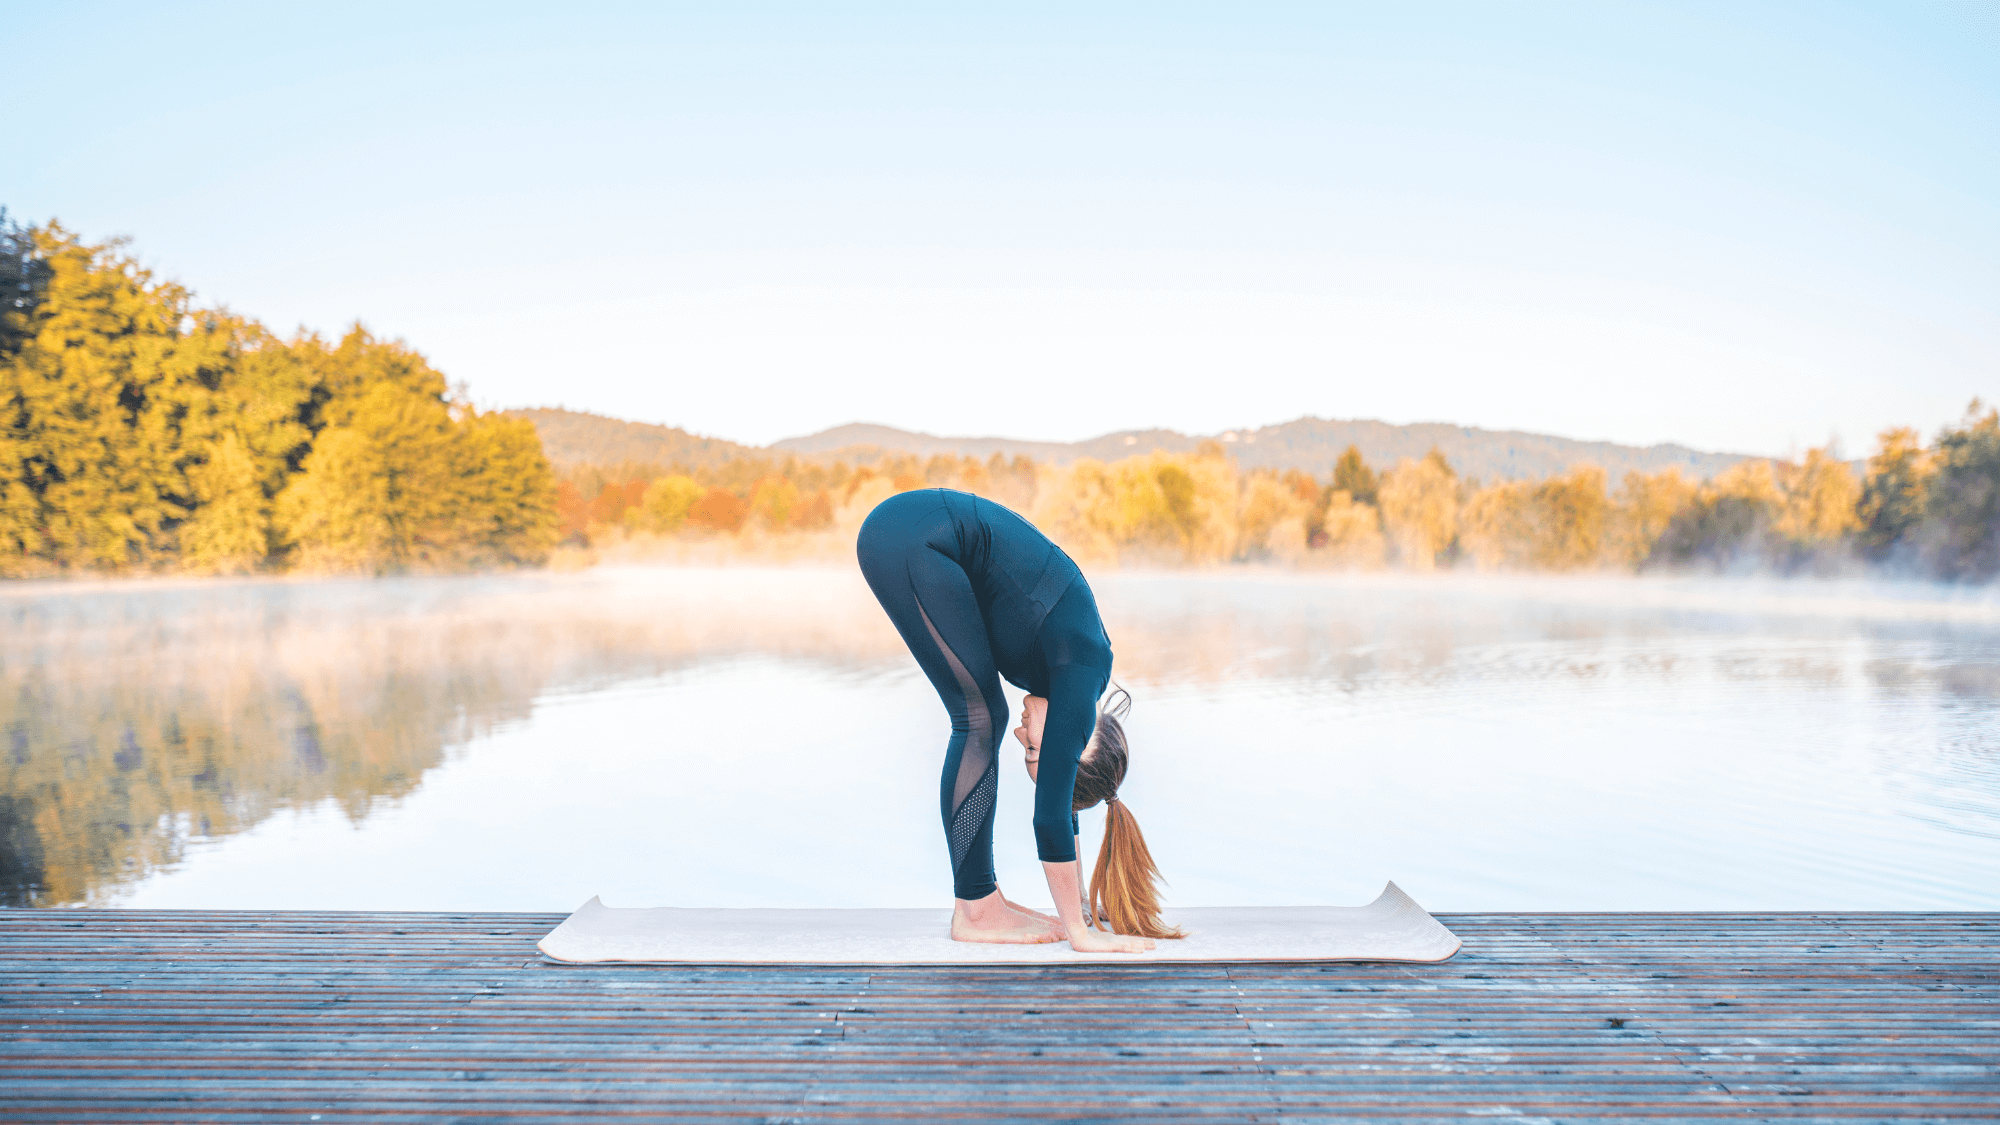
x=1742, y=227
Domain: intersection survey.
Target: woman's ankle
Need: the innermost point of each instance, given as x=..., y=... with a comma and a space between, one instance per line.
x=985, y=910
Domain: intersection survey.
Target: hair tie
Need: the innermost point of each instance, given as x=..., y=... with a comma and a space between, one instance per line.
x=1111, y=800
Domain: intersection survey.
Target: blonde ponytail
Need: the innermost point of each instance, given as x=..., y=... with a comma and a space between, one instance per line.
x=1124, y=888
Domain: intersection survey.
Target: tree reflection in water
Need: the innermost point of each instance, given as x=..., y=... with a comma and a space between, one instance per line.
x=141, y=717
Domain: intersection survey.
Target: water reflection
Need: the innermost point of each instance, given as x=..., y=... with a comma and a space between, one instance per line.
x=142, y=717
x=757, y=737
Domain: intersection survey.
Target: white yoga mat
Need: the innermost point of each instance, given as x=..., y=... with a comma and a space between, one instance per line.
x=1392, y=928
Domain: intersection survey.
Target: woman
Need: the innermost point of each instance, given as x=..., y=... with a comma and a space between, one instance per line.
x=977, y=594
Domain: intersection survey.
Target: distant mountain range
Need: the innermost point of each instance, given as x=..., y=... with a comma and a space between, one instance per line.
x=1313, y=444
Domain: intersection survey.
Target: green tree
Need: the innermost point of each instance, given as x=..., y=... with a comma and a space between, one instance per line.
x=23, y=280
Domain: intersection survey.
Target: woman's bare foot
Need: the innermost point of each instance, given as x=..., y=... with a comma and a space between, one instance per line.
x=1027, y=912
x=992, y=920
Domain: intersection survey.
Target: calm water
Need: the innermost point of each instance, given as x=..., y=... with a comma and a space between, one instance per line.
x=757, y=737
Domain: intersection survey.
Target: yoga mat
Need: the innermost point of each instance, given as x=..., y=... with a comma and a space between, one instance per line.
x=1392, y=928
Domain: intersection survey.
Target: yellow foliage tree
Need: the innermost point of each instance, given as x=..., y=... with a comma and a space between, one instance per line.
x=1497, y=527
x=1353, y=532
x=139, y=432
x=1273, y=516
x=773, y=501
x=1159, y=505
x=1419, y=501
x=229, y=532
x=504, y=492
x=400, y=481
x=664, y=508
x=1645, y=507
x=98, y=393
x=1821, y=497
x=1729, y=519
x=1896, y=490
x=1572, y=517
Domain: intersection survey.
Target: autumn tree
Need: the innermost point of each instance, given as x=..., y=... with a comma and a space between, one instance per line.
x=97, y=394
x=1821, y=496
x=815, y=512
x=139, y=431
x=1352, y=475
x=230, y=531
x=1419, y=501
x=665, y=505
x=1644, y=508
x=401, y=477
x=505, y=492
x=1159, y=505
x=1350, y=532
x=1273, y=513
x=718, y=510
x=772, y=502
x=1959, y=537
x=1728, y=520
x=1894, y=493
x=1497, y=526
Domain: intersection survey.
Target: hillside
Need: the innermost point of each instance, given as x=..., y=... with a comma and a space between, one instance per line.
x=1312, y=444
x=573, y=438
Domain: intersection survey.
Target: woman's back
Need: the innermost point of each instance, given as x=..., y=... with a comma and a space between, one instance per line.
x=1017, y=573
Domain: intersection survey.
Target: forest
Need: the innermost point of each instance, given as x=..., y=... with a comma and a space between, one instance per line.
x=1917, y=509
x=141, y=433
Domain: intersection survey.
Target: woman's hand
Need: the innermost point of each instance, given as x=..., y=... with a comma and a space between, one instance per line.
x=1034, y=718
x=1064, y=884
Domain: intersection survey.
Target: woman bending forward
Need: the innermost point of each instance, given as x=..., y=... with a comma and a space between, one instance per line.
x=977, y=594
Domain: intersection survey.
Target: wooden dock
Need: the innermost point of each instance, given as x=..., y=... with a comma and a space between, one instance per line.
x=262, y=1017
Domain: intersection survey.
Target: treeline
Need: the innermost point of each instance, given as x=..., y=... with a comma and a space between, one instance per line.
x=1931, y=510
x=143, y=433
x=764, y=494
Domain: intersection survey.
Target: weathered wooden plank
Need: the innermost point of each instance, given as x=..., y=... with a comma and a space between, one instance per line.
x=147, y=1016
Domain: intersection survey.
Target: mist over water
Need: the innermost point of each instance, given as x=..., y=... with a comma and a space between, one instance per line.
x=758, y=737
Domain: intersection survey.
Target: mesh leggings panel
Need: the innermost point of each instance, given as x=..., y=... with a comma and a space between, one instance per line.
x=930, y=600
x=975, y=783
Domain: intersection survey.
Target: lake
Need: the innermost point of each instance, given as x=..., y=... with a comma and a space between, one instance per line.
x=758, y=737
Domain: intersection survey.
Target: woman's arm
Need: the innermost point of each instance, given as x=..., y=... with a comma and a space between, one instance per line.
x=1053, y=921
x=1069, y=718
x=1070, y=721
x=1066, y=884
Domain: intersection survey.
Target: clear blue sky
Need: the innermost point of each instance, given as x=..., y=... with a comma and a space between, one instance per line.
x=1740, y=226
